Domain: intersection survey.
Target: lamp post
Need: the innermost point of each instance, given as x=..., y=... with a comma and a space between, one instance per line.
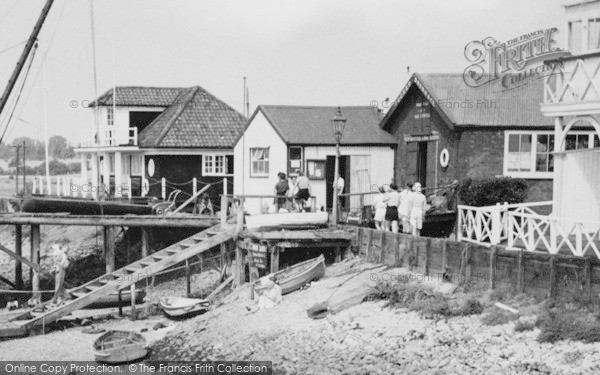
x=339, y=123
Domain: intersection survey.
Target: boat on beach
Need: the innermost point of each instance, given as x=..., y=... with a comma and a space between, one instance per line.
x=181, y=306
x=80, y=206
x=288, y=220
x=295, y=277
x=119, y=347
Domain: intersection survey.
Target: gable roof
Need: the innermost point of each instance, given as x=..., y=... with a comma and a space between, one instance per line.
x=488, y=105
x=195, y=118
x=138, y=96
x=311, y=125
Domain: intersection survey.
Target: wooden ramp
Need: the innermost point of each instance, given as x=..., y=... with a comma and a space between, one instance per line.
x=132, y=273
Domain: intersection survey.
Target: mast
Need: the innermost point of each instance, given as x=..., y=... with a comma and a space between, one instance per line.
x=96, y=114
x=32, y=38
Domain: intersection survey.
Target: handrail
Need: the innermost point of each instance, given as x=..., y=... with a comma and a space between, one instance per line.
x=553, y=218
x=257, y=196
x=190, y=199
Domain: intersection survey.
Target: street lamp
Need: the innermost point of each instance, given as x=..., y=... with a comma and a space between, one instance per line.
x=339, y=123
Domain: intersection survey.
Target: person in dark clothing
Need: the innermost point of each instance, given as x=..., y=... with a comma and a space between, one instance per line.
x=281, y=189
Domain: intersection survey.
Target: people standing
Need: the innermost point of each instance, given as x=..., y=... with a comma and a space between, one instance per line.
x=340, y=190
x=391, y=213
x=281, y=188
x=406, y=200
x=380, y=206
x=417, y=213
x=303, y=194
x=61, y=262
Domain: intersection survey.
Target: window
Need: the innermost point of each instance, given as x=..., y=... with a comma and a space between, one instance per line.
x=259, y=162
x=594, y=33
x=217, y=165
x=295, y=160
x=315, y=169
x=577, y=141
x=519, y=152
x=575, y=37
x=110, y=116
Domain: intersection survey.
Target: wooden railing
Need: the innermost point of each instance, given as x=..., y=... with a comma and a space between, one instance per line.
x=109, y=136
x=573, y=81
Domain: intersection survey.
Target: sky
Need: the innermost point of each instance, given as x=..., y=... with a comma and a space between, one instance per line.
x=309, y=52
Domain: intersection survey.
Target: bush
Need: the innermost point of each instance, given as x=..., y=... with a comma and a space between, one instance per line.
x=498, y=317
x=489, y=191
x=566, y=324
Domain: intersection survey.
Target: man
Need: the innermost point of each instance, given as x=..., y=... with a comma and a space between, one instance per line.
x=61, y=262
x=303, y=184
x=340, y=190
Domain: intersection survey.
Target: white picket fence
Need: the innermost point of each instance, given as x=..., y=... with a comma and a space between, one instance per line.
x=518, y=226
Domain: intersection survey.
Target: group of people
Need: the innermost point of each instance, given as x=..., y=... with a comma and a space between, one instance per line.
x=291, y=195
x=407, y=206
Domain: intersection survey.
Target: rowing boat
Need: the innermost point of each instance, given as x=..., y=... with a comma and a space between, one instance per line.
x=180, y=306
x=119, y=347
x=296, y=276
x=288, y=219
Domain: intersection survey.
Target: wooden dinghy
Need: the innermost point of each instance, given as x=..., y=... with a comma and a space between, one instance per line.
x=288, y=219
x=180, y=306
x=296, y=276
x=119, y=347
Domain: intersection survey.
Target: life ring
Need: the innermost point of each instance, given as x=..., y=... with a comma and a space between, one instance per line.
x=444, y=158
x=145, y=187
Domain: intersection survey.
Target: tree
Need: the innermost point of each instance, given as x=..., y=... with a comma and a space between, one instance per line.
x=59, y=147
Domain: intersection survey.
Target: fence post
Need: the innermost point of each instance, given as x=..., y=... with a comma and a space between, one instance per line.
x=129, y=193
x=521, y=271
x=33, y=188
x=493, y=261
x=223, y=209
x=163, y=188
x=195, y=186
x=496, y=225
x=510, y=230
x=459, y=224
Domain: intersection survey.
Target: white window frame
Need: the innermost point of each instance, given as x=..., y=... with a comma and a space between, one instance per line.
x=268, y=161
x=110, y=116
x=212, y=170
x=585, y=29
x=534, y=133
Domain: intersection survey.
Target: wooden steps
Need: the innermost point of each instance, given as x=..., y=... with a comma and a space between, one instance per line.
x=126, y=276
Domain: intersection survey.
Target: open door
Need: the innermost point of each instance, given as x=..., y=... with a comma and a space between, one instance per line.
x=329, y=176
x=422, y=163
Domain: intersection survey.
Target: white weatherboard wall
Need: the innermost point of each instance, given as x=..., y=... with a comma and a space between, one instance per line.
x=258, y=134
x=576, y=186
x=370, y=166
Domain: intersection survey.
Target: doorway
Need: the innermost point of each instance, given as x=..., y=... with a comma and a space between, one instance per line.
x=329, y=176
x=422, y=163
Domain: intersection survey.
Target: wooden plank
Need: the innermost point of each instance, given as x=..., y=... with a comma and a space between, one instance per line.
x=587, y=274
x=133, y=315
x=19, y=253
x=35, y=258
x=183, y=221
x=188, y=281
x=381, y=246
x=427, y=257
x=520, y=272
x=445, y=267
x=109, y=249
x=119, y=282
x=274, y=259
x=397, y=250
x=240, y=271
x=493, y=261
x=300, y=235
x=223, y=285
x=145, y=242
x=369, y=243
x=35, y=267
x=552, y=281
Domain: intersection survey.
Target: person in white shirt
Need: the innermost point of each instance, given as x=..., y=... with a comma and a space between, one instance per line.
x=417, y=213
x=303, y=185
x=61, y=262
x=406, y=198
x=380, y=206
x=340, y=190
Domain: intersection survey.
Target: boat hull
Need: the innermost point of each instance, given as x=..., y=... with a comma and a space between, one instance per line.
x=178, y=306
x=291, y=219
x=119, y=347
x=82, y=206
x=298, y=275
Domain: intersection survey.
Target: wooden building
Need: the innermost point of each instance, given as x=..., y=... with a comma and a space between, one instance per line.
x=152, y=140
x=447, y=130
x=285, y=138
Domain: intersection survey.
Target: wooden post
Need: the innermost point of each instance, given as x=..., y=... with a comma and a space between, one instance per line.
x=109, y=249
x=358, y=239
x=145, y=242
x=493, y=262
x=381, y=245
x=133, y=310
x=35, y=259
x=120, y=299
x=427, y=256
x=520, y=272
x=552, y=292
x=19, y=252
x=338, y=254
x=396, y=250
x=275, y=258
x=587, y=272
x=240, y=269
x=369, y=242
x=361, y=204
x=223, y=209
x=468, y=267
x=188, y=282
x=445, y=268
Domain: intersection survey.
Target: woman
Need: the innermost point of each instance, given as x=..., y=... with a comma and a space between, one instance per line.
x=380, y=206
x=281, y=188
x=391, y=212
x=406, y=198
x=417, y=212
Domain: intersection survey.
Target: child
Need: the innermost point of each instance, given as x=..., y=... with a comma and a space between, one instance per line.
x=379, y=206
x=417, y=213
x=406, y=198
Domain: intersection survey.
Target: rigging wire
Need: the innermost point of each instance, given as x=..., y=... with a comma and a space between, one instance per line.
x=13, y=46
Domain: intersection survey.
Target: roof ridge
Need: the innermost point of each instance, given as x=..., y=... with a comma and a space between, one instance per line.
x=219, y=100
x=312, y=106
x=189, y=94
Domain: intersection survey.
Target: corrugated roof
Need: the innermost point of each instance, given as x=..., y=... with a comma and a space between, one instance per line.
x=139, y=96
x=488, y=105
x=311, y=125
x=195, y=118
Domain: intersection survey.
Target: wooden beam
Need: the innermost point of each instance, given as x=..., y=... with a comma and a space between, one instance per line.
x=145, y=242
x=520, y=272
x=109, y=249
x=182, y=221
x=35, y=267
x=274, y=259
x=35, y=258
x=188, y=282
x=19, y=253
x=224, y=284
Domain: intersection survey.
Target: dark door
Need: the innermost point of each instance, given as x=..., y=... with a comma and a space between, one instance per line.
x=329, y=175
x=422, y=163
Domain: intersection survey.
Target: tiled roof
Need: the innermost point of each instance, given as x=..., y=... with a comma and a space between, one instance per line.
x=195, y=118
x=138, y=96
x=488, y=105
x=312, y=125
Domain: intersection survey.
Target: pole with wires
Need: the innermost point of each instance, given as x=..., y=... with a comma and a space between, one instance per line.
x=96, y=114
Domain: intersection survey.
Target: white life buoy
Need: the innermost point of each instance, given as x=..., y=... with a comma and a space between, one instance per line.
x=444, y=158
x=151, y=167
x=145, y=187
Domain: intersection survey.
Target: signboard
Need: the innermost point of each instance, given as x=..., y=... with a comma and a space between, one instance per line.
x=421, y=138
x=257, y=254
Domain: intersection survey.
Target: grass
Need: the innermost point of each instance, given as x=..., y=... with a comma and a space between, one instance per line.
x=569, y=323
x=498, y=317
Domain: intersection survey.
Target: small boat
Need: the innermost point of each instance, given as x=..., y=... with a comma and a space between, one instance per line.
x=296, y=276
x=180, y=306
x=112, y=299
x=287, y=220
x=80, y=206
x=119, y=347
